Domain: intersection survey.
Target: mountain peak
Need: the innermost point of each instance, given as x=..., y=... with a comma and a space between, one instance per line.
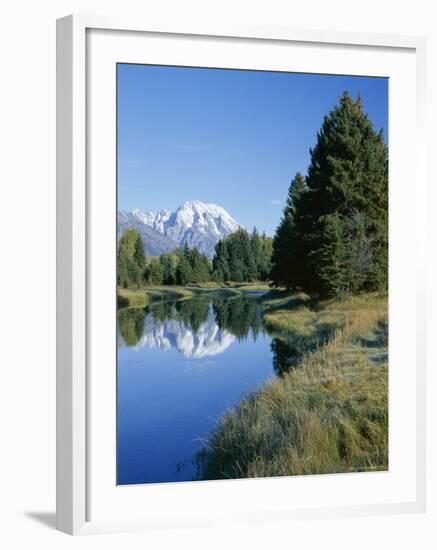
x=193, y=204
x=196, y=223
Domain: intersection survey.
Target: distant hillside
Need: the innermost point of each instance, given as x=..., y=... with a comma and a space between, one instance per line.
x=198, y=224
x=155, y=243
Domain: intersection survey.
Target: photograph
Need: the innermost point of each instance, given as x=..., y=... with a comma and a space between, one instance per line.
x=252, y=274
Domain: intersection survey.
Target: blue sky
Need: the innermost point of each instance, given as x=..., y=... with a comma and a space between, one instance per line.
x=234, y=138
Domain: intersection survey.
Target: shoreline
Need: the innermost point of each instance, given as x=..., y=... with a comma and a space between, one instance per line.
x=143, y=297
x=328, y=414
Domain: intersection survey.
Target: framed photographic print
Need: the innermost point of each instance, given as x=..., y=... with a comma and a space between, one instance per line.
x=240, y=330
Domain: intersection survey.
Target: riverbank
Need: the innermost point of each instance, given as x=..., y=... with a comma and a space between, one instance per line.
x=143, y=297
x=328, y=415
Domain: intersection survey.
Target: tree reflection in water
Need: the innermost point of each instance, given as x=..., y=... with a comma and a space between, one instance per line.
x=222, y=319
x=286, y=356
x=131, y=325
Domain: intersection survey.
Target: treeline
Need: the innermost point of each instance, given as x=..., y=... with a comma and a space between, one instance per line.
x=181, y=267
x=239, y=257
x=242, y=257
x=333, y=235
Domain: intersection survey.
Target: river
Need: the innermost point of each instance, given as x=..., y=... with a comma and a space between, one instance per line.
x=181, y=365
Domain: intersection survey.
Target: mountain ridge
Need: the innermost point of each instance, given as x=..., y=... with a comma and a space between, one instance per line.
x=154, y=242
x=194, y=223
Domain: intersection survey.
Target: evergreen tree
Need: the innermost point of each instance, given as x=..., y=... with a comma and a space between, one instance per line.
x=139, y=256
x=241, y=264
x=283, y=247
x=333, y=257
x=156, y=274
x=184, y=273
x=256, y=245
x=199, y=267
x=131, y=260
x=122, y=269
x=361, y=244
x=131, y=323
x=265, y=258
x=168, y=265
x=236, y=260
x=220, y=262
x=250, y=272
x=242, y=257
x=348, y=173
x=334, y=236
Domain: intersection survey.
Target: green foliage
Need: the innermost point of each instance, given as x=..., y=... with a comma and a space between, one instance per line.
x=284, y=254
x=185, y=266
x=333, y=237
x=346, y=254
x=264, y=258
x=220, y=262
x=131, y=260
x=156, y=272
x=127, y=298
x=333, y=256
x=238, y=316
x=242, y=257
x=139, y=256
x=199, y=267
x=184, y=272
x=131, y=325
x=193, y=313
x=168, y=266
x=191, y=267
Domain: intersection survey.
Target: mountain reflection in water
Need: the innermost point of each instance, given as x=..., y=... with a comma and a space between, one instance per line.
x=207, y=340
x=181, y=366
x=201, y=327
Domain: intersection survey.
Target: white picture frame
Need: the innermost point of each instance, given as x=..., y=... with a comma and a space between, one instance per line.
x=74, y=396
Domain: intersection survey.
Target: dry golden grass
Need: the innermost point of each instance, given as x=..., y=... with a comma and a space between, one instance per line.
x=132, y=298
x=329, y=415
x=144, y=296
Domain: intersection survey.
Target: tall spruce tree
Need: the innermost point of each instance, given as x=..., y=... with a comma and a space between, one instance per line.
x=168, y=264
x=156, y=273
x=262, y=254
x=184, y=272
x=265, y=259
x=348, y=174
x=284, y=251
x=220, y=262
x=199, y=266
x=257, y=249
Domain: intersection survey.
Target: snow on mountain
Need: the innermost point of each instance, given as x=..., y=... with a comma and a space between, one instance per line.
x=155, y=242
x=198, y=224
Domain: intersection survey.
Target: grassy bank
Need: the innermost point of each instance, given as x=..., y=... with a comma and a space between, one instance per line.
x=145, y=296
x=132, y=298
x=329, y=415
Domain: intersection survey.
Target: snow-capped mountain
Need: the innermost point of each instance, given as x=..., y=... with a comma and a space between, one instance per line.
x=155, y=243
x=207, y=341
x=198, y=224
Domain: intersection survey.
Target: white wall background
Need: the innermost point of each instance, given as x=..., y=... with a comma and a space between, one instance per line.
x=27, y=270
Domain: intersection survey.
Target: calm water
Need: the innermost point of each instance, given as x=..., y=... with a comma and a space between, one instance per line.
x=180, y=366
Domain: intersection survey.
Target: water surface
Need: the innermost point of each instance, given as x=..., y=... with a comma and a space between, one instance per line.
x=181, y=365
